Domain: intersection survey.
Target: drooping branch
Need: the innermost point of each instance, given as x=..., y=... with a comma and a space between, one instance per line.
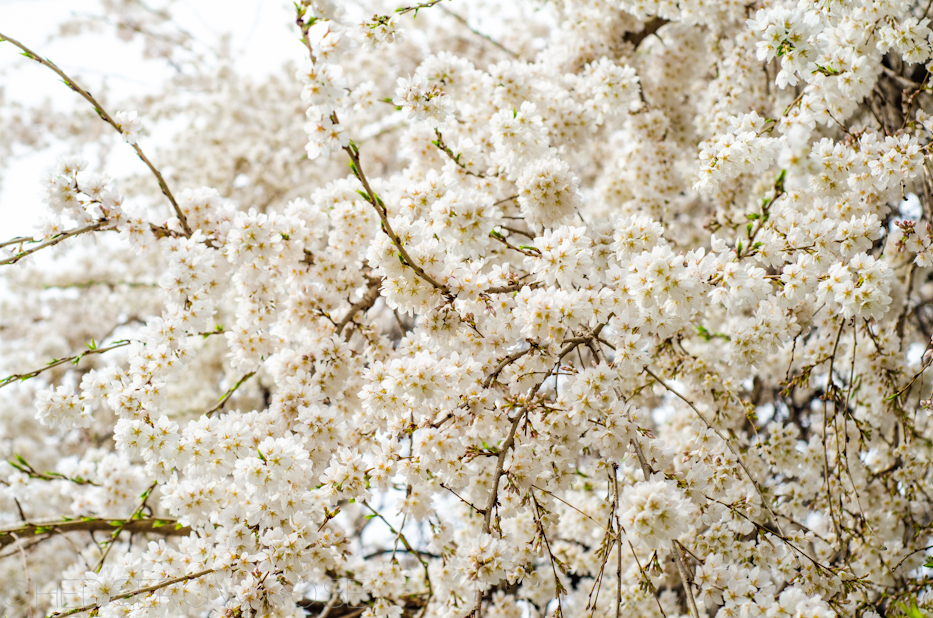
x=482, y=35
x=764, y=501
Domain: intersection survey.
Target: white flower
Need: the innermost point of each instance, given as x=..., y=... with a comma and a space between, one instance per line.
x=483, y=561
x=324, y=135
x=563, y=254
x=654, y=512
x=422, y=102
x=129, y=124
x=548, y=192
x=61, y=406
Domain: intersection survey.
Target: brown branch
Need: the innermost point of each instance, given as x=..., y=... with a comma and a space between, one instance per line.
x=494, y=495
x=16, y=241
x=137, y=592
x=505, y=362
x=50, y=242
x=109, y=120
x=508, y=289
x=164, y=527
x=369, y=299
x=533, y=252
x=371, y=197
x=55, y=363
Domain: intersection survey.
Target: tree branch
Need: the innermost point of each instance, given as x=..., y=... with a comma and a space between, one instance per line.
x=109, y=120
x=164, y=527
x=137, y=592
x=61, y=361
x=48, y=243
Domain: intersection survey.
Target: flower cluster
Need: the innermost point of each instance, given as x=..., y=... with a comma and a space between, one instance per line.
x=619, y=308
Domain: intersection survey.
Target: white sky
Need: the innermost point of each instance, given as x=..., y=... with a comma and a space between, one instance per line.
x=262, y=37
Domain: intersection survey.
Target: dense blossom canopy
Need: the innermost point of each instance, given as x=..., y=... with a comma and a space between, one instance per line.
x=557, y=308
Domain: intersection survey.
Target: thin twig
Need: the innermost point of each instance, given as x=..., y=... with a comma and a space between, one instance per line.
x=144, y=497
x=728, y=443
x=463, y=21
x=61, y=361
x=137, y=592
x=51, y=242
x=223, y=399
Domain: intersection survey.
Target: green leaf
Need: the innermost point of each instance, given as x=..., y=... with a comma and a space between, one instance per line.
x=913, y=611
x=780, y=179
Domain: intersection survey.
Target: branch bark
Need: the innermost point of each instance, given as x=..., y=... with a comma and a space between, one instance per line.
x=164, y=527
x=50, y=242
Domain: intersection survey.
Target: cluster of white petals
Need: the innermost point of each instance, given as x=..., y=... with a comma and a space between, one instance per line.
x=584, y=308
